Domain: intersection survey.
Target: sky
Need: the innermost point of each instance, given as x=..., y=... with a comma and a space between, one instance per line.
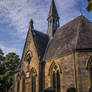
x=16, y=14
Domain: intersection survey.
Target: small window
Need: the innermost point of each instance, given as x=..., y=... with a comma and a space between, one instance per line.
x=18, y=85
x=33, y=79
x=28, y=58
x=23, y=85
x=33, y=83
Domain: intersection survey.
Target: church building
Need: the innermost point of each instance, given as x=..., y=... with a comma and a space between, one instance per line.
x=60, y=59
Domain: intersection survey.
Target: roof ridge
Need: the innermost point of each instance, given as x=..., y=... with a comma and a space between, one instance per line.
x=68, y=22
x=78, y=32
x=41, y=33
x=75, y=35
x=73, y=20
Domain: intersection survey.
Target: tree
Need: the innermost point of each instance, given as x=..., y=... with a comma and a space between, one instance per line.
x=1, y=55
x=11, y=61
x=89, y=7
x=7, y=68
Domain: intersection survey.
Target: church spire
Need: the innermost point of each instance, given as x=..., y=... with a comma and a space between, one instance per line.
x=53, y=20
x=53, y=10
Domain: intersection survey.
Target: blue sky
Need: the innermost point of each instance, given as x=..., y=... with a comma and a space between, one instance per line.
x=16, y=14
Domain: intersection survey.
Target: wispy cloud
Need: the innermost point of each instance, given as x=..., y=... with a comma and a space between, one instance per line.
x=17, y=14
x=6, y=50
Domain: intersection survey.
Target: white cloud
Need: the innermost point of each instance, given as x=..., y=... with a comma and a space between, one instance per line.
x=18, y=13
x=6, y=50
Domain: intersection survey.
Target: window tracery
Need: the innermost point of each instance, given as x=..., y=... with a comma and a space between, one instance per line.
x=33, y=79
x=28, y=57
x=54, y=73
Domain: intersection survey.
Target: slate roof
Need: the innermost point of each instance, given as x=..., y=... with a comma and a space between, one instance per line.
x=41, y=41
x=75, y=35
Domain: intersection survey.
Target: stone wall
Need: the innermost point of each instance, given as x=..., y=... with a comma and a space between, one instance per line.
x=83, y=80
x=34, y=63
x=67, y=72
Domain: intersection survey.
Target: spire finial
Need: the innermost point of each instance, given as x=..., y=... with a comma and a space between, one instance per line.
x=81, y=8
x=31, y=24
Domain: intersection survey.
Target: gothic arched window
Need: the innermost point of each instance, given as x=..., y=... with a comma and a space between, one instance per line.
x=33, y=83
x=23, y=85
x=55, y=76
x=89, y=67
x=54, y=80
x=18, y=85
x=33, y=79
x=28, y=57
x=58, y=81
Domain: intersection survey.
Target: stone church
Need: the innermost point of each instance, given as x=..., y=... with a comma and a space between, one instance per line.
x=60, y=59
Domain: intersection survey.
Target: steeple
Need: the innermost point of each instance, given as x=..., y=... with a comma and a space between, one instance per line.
x=31, y=24
x=53, y=20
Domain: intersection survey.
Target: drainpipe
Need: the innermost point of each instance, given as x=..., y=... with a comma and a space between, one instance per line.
x=75, y=81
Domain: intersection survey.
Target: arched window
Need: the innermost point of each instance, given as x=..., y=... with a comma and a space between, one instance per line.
x=33, y=79
x=91, y=75
x=58, y=81
x=54, y=80
x=23, y=85
x=33, y=83
x=89, y=67
x=28, y=57
x=55, y=76
x=18, y=84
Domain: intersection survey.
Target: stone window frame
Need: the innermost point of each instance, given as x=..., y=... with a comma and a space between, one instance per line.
x=29, y=53
x=23, y=81
x=89, y=68
x=33, y=75
x=20, y=84
x=55, y=68
x=18, y=78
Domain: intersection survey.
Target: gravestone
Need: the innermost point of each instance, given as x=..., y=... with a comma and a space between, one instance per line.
x=71, y=90
x=90, y=89
x=50, y=89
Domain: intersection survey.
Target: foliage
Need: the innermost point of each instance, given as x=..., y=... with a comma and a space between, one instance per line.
x=89, y=7
x=7, y=68
x=11, y=61
x=1, y=55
